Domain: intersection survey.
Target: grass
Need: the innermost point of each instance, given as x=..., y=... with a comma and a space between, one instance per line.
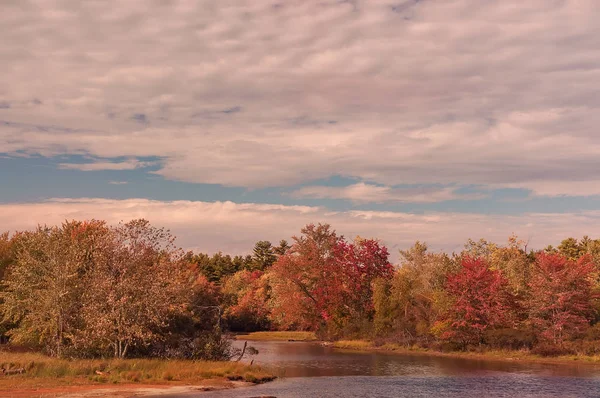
x=277, y=336
x=353, y=344
x=43, y=371
x=502, y=355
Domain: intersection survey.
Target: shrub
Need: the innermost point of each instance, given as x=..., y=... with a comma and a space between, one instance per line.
x=508, y=338
x=588, y=347
x=547, y=349
x=593, y=332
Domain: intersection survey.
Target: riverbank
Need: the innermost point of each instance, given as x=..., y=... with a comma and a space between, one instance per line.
x=277, y=336
x=496, y=355
x=33, y=374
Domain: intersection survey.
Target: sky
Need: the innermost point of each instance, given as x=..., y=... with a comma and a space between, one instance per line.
x=235, y=121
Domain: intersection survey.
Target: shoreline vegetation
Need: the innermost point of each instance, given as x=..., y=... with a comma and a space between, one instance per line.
x=487, y=354
x=34, y=374
x=86, y=289
x=522, y=356
x=277, y=336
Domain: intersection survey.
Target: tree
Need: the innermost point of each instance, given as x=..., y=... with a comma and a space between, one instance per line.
x=358, y=265
x=572, y=249
x=480, y=301
x=263, y=255
x=131, y=294
x=300, y=277
x=324, y=282
x=560, y=303
x=6, y=253
x=515, y=264
x=415, y=295
x=248, y=298
x=282, y=248
x=44, y=285
x=7, y=258
x=219, y=265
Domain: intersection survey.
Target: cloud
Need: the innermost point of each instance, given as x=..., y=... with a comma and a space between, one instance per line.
x=558, y=188
x=247, y=94
x=369, y=193
x=234, y=228
x=131, y=164
x=118, y=182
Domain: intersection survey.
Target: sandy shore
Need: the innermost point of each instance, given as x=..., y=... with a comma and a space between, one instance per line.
x=120, y=390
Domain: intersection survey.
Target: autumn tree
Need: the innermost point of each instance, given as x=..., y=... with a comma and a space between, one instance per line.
x=247, y=299
x=515, y=263
x=358, y=264
x=139, y=284
x=7, y=258
x=300, y=277
x=45, y=284
x=480, y=301
x=409, y=303
x=6, y=253
x=324, y=281
x=560, y=304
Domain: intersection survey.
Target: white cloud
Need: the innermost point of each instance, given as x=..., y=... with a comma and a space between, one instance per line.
x=100, y=165
x=234, y=228
x=369, y=193
x=261, y=94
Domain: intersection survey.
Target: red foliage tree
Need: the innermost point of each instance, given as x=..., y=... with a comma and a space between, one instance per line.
x=359, y=264
x=561, y=293
x=481, y=301
x=323, y=279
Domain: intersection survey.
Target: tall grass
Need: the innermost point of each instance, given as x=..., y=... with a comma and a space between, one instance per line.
x=41, y=367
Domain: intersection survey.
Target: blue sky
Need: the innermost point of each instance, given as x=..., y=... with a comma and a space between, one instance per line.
x=235, y=121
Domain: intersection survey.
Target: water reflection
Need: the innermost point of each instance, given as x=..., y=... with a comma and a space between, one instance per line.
x=350, y=374
x=299, y=359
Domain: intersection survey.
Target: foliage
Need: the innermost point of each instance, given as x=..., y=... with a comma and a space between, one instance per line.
x=411, y=302
x=480, y=301
x=133, y=291
x=263, y=255
x=323, y=283
x=218, y=266
x=87, y=289
x=44, y=285
x=510, y=338
x=560, y=304
x=248, y=295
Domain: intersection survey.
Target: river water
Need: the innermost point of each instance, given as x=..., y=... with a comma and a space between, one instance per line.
x=311, y=370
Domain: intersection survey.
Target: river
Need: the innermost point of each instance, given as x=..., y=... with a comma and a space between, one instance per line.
x=312, y=370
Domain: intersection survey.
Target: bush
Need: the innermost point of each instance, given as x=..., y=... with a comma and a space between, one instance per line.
x=546, y=349
x=508, y=338
x=588, y=347
x=593, y=332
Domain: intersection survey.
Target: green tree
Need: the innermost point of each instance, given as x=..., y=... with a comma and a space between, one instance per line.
x=219, y=265
x=263, y=255
x=282, y=248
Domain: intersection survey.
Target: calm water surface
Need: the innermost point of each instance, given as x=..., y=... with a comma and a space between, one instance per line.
x=311, y=370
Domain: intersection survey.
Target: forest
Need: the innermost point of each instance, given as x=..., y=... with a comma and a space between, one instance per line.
x=86, y=289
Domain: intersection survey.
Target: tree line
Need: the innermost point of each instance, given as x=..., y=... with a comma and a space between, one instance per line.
x=87, y=289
